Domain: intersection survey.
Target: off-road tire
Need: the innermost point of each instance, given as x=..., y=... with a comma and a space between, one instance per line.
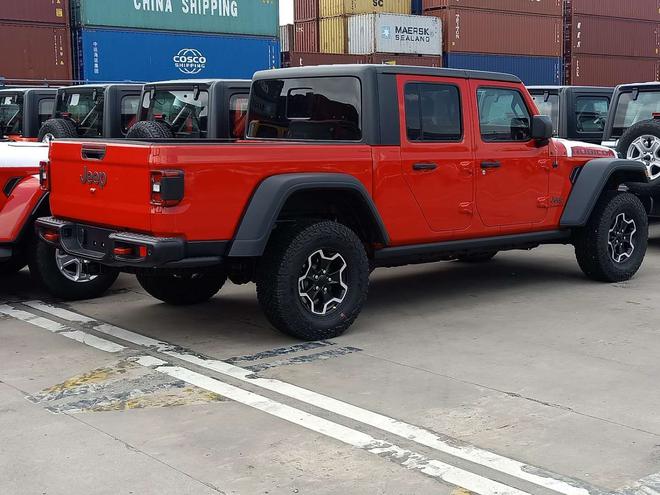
x=183, y=289
x=43, y=268
x=149, y=129
x=58, y=128
x=478, y=257
x=591, y=242
x=280, y=268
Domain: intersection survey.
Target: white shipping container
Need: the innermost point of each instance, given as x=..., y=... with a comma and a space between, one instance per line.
x=394, y=33
x=286, y=38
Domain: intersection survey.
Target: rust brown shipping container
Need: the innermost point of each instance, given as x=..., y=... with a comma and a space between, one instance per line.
x=645, y=10
x=482, y=31
x=305, y=10
x=304, y=59
x=385, y=58
x=603, y=70
x=46, y=11
x=37, y=51
x=306, y=36
x=611, y=36
x=539, y=7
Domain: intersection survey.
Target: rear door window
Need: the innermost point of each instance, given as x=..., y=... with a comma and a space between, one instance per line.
x=11, y=115
x=46, y=106
x=503, y=115
x=311, y=109
x=591, y=113
x=129, y=110
x=433, y=112
x=238, y=106
x=185, y=111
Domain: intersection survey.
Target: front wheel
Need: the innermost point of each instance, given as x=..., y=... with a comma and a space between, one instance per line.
x=313, y=280
x=612, y=246
x=68, y=277
x=183, y=289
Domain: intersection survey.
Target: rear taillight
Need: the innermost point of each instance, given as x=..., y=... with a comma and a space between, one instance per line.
x=44, y=175
x=167, y=187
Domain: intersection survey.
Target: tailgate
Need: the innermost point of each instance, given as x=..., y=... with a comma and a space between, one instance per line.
x=101, y=183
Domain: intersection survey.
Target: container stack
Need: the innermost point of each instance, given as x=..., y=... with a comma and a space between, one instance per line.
x=611, y=42
x=364, y=31
x=36, y=42
x=173, y=39
x=520, y=37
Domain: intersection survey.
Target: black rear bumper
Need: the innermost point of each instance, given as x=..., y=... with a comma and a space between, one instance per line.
x=108, y=247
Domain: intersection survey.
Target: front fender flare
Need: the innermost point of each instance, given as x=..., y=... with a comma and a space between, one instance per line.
x=270, y=197
x=591, y=182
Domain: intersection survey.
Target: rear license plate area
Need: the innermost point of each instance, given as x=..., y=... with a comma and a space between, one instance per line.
x=93, y=239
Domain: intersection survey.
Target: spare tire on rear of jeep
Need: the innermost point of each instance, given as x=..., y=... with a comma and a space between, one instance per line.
x=57, y=128
x=147, y=129
x=641, y=142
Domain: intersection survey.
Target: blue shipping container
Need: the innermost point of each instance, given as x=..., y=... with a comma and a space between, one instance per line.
x=531, y=70
x=417, y=7
x=113, y=55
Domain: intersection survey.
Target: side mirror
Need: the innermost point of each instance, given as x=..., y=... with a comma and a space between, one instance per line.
x=541, y=127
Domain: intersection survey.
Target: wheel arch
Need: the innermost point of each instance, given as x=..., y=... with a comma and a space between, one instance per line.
x=597, y=176
x=277, y=198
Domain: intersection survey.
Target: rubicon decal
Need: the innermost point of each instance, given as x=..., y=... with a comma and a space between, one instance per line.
x=93, y=178
x=190, y=61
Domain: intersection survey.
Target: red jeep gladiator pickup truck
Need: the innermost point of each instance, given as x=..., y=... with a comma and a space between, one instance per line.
x=344, y=169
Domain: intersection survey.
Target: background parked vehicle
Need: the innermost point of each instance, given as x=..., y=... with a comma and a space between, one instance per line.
x=192, y=109
x=93, y=111
x=337, y=181
x=23, y=111
x=577, y=112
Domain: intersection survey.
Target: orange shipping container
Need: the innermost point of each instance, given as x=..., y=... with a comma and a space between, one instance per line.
x=305, y=10
x=482, y=31
x=611, y=36
x=604, y=70
x=45, y=11
x=306, y=36
x=541, y=7
x=645, y=10
x=38, y=52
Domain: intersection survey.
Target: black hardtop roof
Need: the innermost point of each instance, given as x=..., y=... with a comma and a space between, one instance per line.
x=362, y=70
x=83, y=87
x=642, y=86
x=207, y=82
x=27, y=90
x=557, y=88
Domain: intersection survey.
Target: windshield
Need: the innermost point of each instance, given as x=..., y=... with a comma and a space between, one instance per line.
x=548, y=104
x=629, y=111
x=11, y=115
x=85, y=109
x=184, y=111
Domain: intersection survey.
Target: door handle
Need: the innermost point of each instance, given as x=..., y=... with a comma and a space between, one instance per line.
x=486, y=165
x=425, y=166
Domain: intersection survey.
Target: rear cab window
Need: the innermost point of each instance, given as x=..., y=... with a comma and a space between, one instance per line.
x=238, y=107
x=308, y=109
x=11, y=114
x=503, y=115
x=46, y=107
x=633, y=107
x=185, y=111
x=129, y=109
x=85, y=109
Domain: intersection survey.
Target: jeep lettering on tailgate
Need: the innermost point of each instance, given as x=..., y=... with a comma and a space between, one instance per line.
x=93, y=177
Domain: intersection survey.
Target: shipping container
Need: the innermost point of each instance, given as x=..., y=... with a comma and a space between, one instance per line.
x=245, y=17
x=603, y=70
x=306, y=36
x=531, y=70
x=420, y=61
x=38, y=51
x=333, y=34
x=302, y=59
x=481, y=31
x=333, y=8
x=393, y=33
x=305, y=10
x=595, y=35
x=540, y=7
x=45, y=11
x=417, y=7
x=645, y=10
x=112, y=55
x=286, y=38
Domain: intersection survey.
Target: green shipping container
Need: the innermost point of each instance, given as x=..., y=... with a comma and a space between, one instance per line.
x=251, y=17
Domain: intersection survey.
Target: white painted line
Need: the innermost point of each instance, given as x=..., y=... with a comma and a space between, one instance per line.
x=149, y=361
x=406, y=458
x=409, y=459
x=93, y=341
x=510, y=467
x=62, y=313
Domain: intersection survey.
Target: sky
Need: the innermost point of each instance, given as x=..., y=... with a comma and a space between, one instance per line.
x=286, y=11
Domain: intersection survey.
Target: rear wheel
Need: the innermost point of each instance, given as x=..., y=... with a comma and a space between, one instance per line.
x=146, y=129
x=57, y=128
x=66, y=276
x=612, y=246
x=183, y=289
x=313, y=280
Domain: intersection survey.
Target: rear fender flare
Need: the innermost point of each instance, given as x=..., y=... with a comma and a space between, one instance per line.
x=272, y=194
x=26, y=202
x=593, y=179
